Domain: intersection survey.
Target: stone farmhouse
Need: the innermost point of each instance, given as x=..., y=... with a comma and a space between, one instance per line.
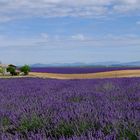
x=4, y=67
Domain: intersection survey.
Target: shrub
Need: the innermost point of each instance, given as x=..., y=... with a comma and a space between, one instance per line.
x=5, y=121
x=1, y=70
x=25, y=69
x=67, y=129
x=12, y=70
x=64, y=129
x=32, y=124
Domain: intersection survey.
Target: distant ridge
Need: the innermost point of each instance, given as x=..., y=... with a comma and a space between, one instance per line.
x=136, y=63
x=97, y=64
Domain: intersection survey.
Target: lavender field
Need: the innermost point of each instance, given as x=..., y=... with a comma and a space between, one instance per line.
x=48, y=109
x=76, y=70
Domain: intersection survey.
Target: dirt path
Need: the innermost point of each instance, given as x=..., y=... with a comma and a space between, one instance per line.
x=109, y=74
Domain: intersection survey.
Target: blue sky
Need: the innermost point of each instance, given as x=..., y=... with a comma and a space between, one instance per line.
x=69, y=31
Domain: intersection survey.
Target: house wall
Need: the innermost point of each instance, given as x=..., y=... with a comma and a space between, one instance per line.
x=4, y=71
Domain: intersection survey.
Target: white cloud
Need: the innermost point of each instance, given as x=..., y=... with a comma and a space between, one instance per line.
x=13, y=9
x=74, y=41
x=127, y=6
x=38, y=49
x=138, y=22
x=130, y=1
x=45, y=36
x=79, y=37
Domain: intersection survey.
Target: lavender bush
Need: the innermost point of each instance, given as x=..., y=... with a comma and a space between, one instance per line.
x=76, y=70
x=40, y=109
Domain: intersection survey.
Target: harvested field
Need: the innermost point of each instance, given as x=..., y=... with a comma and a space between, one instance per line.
x=109, y=74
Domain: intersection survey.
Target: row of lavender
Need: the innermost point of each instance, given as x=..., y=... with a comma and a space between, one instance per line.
x=40, y=109
x=76, y=70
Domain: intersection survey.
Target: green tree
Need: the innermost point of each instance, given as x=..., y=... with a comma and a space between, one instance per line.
x=1, y=70
x=12, y=70
x=25, y=69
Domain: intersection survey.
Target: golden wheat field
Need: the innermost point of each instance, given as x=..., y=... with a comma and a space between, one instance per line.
x=109, y=74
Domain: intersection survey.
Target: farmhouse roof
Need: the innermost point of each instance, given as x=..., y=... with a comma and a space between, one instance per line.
x=12, y=65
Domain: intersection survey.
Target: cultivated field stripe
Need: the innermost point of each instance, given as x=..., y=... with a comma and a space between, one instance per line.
x=109, y=74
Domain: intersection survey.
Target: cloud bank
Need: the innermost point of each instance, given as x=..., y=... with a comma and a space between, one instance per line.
x=16, y=9
x=72, y=42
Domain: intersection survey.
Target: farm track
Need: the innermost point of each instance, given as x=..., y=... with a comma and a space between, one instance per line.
x=109, y=74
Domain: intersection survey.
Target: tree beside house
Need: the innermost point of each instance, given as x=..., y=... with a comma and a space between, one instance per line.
x=13, y=70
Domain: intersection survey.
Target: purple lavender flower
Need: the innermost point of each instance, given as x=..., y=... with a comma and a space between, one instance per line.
x=39, y=109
